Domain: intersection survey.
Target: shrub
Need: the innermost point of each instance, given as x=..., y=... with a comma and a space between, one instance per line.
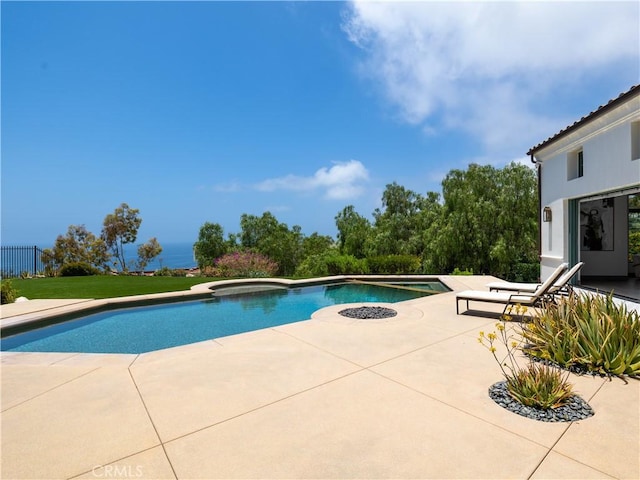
x=244, y=264
x=77, y=269
x=169, y=272
x=346, y=264
x=393, y=264
x=525, y=272
x=162, y=272
x=208, y=271
x=539, y=385
x=313, y=266
x=457, y=271
x=8, y=292
x=591, y=332
x=536, y=385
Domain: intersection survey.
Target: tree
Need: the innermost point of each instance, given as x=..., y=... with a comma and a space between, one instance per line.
x=78, y=245
x=119, y=228
x=466, y=232
x=488, y=222
x=427, y=225
x=401, y=225
x=274, y=239
x=147, y=252
x=210, y=244
x=394, y=222
x=316, y=244
x=254, y=229
x=353, y=232
x=515, y=249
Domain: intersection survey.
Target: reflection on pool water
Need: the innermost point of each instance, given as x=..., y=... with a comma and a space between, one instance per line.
x=143, y=329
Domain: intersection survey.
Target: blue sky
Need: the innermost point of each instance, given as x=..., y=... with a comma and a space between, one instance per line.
x=203, y=111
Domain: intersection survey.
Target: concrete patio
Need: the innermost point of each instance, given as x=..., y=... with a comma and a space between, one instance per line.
x=330, y=398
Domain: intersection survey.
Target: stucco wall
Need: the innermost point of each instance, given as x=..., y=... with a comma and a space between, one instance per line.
x=553, y=251
x=607, y=166
x=606, y=143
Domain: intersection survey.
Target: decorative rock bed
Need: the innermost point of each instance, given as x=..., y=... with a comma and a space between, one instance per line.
x=575, y=409
x=368, y=313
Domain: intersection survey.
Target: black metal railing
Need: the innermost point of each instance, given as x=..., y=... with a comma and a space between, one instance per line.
x=16, y=261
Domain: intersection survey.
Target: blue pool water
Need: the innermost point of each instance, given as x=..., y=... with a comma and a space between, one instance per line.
x=143, y=329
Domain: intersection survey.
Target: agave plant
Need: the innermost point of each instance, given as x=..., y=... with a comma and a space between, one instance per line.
x=590, y=331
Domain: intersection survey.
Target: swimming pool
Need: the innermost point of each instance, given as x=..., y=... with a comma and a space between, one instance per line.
x=231, y=311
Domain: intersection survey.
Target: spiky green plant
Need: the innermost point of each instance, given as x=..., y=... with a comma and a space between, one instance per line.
x=537, y=385
x=589, y=331
x=540, y=386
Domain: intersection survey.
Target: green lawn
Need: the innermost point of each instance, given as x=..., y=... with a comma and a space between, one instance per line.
x=101, y=286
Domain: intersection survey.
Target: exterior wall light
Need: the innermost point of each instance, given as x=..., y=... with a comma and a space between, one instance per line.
x=546, y=214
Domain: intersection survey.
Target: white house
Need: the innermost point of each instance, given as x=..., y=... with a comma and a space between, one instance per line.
x=586, y=175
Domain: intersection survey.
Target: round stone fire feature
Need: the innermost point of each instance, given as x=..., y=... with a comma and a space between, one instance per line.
x=368, y=313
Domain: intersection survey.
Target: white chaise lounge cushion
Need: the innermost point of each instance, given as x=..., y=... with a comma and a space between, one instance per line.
x=531, y=287
x=513, y=286
x=497, y=297
x=511, y=298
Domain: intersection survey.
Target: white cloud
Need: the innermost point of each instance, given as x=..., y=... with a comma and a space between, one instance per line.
x=342, y=181
x=483, y=66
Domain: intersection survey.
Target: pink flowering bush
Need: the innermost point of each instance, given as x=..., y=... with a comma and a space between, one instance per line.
x=244, y=264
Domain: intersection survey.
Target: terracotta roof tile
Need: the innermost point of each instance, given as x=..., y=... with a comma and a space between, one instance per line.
x=634, y=90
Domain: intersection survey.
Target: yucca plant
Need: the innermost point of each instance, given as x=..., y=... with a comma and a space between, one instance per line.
x=589, y=331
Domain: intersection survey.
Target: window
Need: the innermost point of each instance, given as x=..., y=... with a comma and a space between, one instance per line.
x=575, y=164
x=580, y=163
x=635, y=140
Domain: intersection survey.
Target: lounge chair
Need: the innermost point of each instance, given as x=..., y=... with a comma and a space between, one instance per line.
x=561, y=286
x=525, y=299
